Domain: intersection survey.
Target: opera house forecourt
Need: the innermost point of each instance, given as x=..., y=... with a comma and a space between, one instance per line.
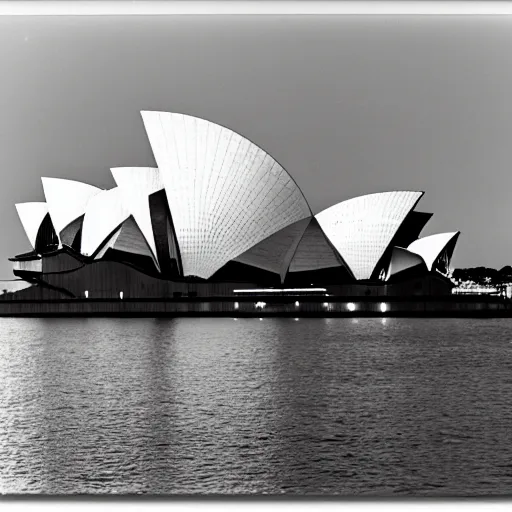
x=220, y=227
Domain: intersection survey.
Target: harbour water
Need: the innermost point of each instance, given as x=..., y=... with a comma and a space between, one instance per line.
x=345, y=406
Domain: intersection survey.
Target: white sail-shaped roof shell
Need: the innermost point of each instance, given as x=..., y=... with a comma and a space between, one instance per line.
x=430, y=247
x=68, y=236
x=314, y=251
x=128, y=238
x=401, y=259
x=136, y=184
x=225, y=193
x=67, y=200
x=275, y=253
x=31, y=216
x=108, y=245
x=362, y=228
x=105, y=212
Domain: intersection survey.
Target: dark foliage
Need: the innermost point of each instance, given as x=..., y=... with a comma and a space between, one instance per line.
x=484, y=275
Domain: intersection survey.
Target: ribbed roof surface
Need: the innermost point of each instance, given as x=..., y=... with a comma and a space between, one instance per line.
x=225, y=193
x=363, y=227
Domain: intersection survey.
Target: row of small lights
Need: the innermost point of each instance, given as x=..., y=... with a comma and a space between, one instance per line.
x=354, y=320
x=260, y=305
x=350, y=306
x=475, y=289
x=86, y=293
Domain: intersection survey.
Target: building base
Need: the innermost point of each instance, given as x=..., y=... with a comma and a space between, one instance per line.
x=263, y=306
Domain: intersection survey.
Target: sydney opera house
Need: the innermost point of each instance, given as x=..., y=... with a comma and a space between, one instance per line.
x=219, y=217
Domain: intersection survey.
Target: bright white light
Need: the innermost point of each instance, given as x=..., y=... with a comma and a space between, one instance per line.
x=86, y=294
x=297, y=303
x=475, y=290
x=280, y=290
x=236, y=305
x=296, y=319
x=383, y=307
x=260, y=305
x=261, y=318
x=30, y=265
x=121, y=294
x=351, y=306
x=326, y=304
x=281, y=7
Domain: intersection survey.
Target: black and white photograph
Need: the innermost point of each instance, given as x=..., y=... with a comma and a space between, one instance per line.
x=255, y=254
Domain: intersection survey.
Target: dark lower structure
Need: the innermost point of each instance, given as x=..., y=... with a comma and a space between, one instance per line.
x=67, y=275
x=64, y=283
x=266, y=306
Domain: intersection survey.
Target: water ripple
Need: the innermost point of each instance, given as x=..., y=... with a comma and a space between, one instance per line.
x=332, y=406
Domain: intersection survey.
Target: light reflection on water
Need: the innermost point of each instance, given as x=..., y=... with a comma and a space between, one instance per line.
x=334, y=406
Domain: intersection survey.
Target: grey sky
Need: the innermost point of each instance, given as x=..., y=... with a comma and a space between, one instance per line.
x=348, y=106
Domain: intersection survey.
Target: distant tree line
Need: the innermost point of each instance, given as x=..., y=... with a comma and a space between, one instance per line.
x=484, y=275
